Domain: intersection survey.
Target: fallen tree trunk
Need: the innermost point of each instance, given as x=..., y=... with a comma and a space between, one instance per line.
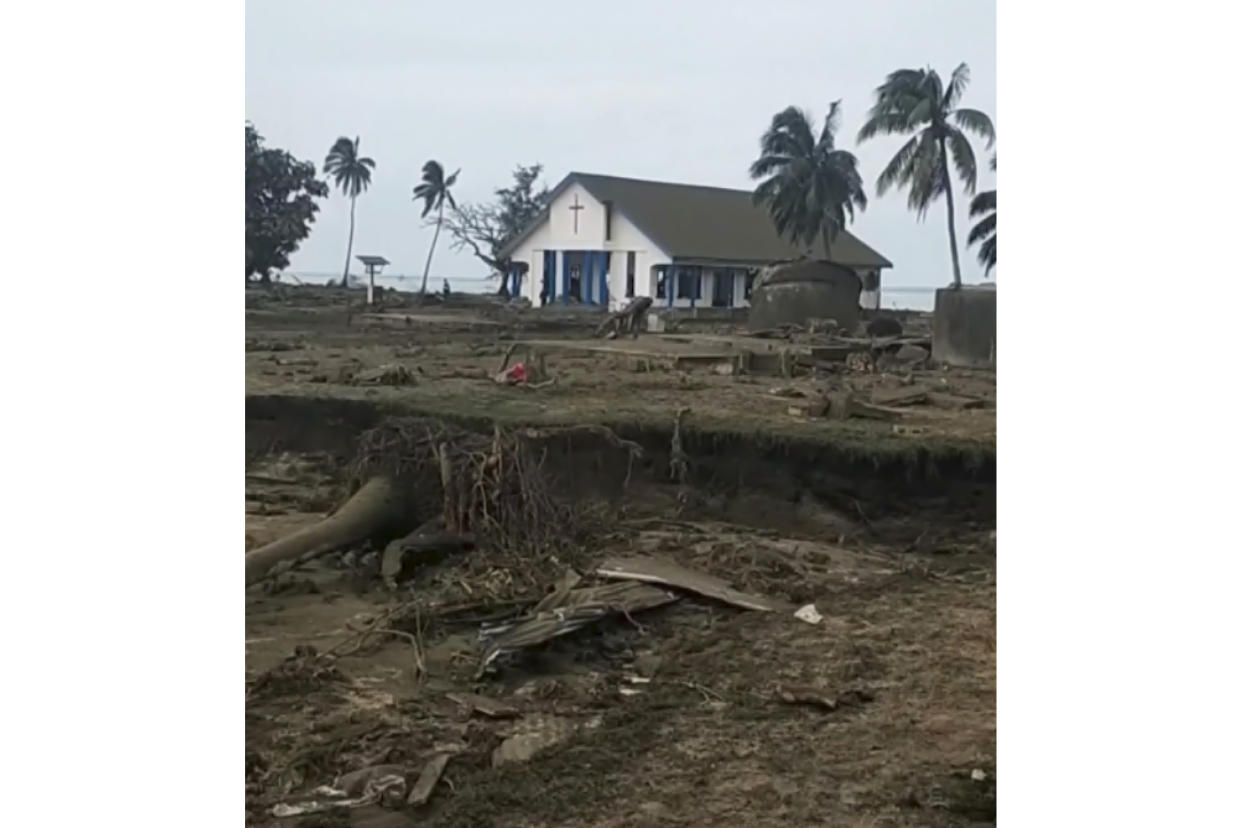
x=382, y=507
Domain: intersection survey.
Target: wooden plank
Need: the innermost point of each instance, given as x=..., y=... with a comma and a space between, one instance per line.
x=834, y=353
x=492, y=708
x=875, y=412
x=955, y=401
x=427, y=780
x=910, y=395
x=653, y=570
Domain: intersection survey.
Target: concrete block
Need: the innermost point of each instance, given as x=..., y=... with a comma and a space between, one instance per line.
x=964, y=327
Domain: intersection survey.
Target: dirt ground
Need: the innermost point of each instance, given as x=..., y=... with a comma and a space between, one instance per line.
x=672, y=716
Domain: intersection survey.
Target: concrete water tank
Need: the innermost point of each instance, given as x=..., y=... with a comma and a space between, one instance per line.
x=793, y=292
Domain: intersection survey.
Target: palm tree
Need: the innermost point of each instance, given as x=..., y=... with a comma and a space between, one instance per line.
x=352, y=175
x=916, y=101
x=434, y=191
x=811, y=185
x=984, y=231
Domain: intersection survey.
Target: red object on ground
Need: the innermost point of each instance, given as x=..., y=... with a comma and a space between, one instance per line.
x=517, y=373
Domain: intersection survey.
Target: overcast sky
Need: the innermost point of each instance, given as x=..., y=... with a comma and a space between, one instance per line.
x=674, y=91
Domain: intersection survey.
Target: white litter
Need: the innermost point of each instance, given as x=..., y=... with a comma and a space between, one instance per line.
x=809, y=614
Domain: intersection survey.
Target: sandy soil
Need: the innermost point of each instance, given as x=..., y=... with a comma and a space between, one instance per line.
x=905, y=585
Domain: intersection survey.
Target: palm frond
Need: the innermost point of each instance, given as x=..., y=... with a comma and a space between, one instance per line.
x=932, y=88
x=957, y=85
x=790, y=133
x=884, y=123
x=897, y=167
x=985, y=202
x=982, y=230
x=767, y=164
x=925, y=176
x=963, y=158
x=832, y=121
x=976, y=122
x=987, y=255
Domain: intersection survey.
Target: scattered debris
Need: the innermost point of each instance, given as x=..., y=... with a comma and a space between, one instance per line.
x=977, y=775
x=910, y=430
x=576, y=609
x=491, y=708
x=627, y=320
x=537, y=734
x=559, y=593
x=391, y=374
x=384, y=788
x=823, y=326
x=954, y=401
x=354, y=783
x=530, y=373
x=426, y=783
x=785, y=391
x=910, y=395
x=816, y=697
x=884, y=326
x=912, y=354
x=299, y=674
x=808, y=614
x=662, y=571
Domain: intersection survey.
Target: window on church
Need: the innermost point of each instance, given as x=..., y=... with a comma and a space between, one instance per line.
x=688, y=284
x=750, y=283
x=629, y=274
x=608, y=221
x=662, y=283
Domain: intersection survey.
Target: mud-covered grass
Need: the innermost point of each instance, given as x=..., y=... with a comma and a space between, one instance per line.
x=453, y=357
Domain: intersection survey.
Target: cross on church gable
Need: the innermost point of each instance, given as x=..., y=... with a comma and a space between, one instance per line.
x=576, y=207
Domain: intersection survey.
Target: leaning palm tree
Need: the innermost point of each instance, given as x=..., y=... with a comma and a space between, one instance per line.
x=352, y=175
x=916, y=101
x=434, y=191
x=984, y=232
x=811, y=186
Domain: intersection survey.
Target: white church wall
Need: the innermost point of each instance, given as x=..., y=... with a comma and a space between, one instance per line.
x=556, y=233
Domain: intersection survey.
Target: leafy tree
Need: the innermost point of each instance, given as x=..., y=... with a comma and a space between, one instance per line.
x=352, y=174
x=916, y=101
x=280, y=205
x=487, y=228
x=984, y=231
x=811, y=186
x=434, y=192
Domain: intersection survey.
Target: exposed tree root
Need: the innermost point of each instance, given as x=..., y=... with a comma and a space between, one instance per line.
x=379, y=507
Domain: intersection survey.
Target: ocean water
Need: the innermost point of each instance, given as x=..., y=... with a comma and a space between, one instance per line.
x=908, y=298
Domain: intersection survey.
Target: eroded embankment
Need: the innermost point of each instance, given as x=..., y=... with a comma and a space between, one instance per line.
x=747, y=477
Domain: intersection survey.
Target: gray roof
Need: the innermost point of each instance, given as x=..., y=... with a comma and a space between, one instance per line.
x=708, y=224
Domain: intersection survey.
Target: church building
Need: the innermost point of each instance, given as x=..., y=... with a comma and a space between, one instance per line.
x=604, y=240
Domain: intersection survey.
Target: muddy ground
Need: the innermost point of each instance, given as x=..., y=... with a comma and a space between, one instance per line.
x=673, y=716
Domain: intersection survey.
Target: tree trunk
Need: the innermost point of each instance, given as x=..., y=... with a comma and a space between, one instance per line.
x=948, y=197
x=431, y=252
x=349, y=248
x=380, y=509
